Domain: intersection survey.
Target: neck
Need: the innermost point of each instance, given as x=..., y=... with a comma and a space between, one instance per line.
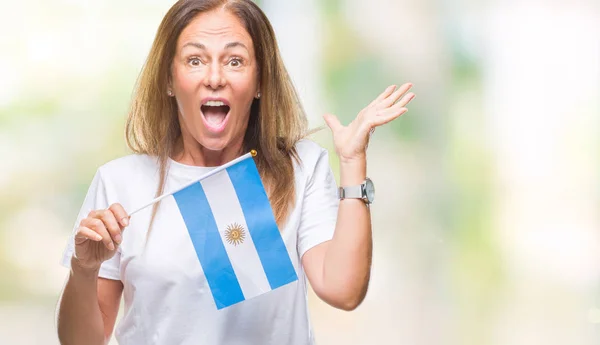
x=190, y=152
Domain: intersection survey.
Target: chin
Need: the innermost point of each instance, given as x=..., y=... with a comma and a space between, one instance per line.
x=214, y=143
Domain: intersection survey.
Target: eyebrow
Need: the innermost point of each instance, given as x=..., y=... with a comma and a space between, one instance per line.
x=235, y=44
x=227, y=46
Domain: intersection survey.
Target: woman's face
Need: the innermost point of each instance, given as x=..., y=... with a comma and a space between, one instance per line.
x=214, y=80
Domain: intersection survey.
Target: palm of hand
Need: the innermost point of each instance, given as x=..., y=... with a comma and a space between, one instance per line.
x=351, y=141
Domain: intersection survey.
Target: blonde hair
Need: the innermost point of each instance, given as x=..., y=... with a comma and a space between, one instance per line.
x=277, y=121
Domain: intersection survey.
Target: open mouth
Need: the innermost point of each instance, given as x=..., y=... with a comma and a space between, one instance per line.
x=215, y=114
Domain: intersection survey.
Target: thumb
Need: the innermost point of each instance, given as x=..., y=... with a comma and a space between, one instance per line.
x=332, y=122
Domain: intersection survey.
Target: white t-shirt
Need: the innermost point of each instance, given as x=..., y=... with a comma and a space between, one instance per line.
x=167, y=298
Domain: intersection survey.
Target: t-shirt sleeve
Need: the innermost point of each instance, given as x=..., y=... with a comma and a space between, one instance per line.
x=95, y=199
x=319, y=206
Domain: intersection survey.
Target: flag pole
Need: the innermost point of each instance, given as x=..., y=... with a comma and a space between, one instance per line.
x=252, y=153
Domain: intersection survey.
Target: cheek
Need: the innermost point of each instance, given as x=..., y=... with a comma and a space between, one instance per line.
x=244, y=85
x=186, y=80
x=185, y=83
x=185, y=86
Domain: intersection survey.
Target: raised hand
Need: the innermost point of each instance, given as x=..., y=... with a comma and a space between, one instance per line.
x=351, y=141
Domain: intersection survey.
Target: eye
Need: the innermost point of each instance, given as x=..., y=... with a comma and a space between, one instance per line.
x=235, y=62
x=194, y=62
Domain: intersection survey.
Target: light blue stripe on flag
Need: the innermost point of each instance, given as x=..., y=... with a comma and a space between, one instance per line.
x=209, y=247
x=261, y=223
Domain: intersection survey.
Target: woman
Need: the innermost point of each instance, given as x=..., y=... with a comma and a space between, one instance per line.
x=214, y=87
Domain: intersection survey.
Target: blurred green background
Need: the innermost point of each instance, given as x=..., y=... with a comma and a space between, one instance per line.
x=486, y=221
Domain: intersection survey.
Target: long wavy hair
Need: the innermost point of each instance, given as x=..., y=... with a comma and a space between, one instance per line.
x=277, y=120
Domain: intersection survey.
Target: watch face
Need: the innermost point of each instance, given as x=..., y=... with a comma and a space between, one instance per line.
x=370, y=190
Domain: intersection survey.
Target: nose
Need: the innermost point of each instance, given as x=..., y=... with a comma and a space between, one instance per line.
x=215, y=78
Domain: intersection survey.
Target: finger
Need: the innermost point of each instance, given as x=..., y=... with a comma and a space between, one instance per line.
x=98, y=226
x=406, y=99
x=83, y=234
x=120, y=214
x=394, y=97
x=393, y=109
x=110, y=223
x=332, y=122
x=388, y=116
x=384, y=94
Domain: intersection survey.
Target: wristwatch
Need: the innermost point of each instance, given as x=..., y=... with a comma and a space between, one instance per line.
x=364, y=191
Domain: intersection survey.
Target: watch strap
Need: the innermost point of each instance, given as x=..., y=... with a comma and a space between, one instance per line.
x=351, y=192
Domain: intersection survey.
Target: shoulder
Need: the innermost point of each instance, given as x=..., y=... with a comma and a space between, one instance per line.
x=309, y=152
x=312, y=159
x=128, y=167
x=127, y=180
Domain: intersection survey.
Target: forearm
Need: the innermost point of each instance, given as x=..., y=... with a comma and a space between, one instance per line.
x=79, y=316
x=347, y=262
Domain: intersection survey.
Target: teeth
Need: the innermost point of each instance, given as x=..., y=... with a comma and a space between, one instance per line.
x=214, y=104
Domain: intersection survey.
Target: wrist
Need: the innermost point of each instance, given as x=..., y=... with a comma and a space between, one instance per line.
x=353, y=171
x=80, y=269
x=354, y=159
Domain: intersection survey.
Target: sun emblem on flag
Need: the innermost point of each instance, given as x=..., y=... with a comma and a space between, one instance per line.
x=235, y=234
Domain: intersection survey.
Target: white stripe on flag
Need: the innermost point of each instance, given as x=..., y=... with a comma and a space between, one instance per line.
x=226, y=209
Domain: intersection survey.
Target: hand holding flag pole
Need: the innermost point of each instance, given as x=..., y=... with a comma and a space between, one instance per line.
x=230, y=223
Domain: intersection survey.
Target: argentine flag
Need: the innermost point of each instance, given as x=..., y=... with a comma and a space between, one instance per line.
x=231, y=225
